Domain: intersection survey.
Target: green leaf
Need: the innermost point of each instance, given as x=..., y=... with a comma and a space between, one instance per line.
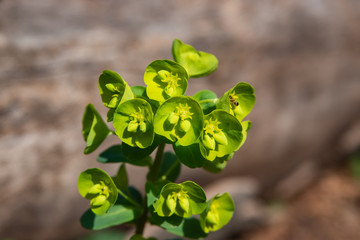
x=133, y=123
x=110, y=115
x=170, y=167
x=153, y=190
x=94, y=129
x=113, y=89
x=179, y=119
x=238, y=101
x=184, y=227
x=218, y=213
x=221, y=135
x=190, y=155
x=165, y=79
x=115, y=154
x=121, y=179
x=96, y=185
x=121, y=212
x=184, y=200
x=197, y=63
x=139, y=91
x=207, y=100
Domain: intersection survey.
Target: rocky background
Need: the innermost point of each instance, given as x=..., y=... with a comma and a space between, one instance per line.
x=302, y=57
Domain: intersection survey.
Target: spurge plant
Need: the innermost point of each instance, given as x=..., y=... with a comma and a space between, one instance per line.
x=204, y=131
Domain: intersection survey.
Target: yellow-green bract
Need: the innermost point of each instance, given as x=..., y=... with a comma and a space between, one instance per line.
x=221, y=135
x=218, y=213
x=133, y=123
x=184, y=199
x=197, y=63
x=165, y=79
x=179, y=119
x=96, y=185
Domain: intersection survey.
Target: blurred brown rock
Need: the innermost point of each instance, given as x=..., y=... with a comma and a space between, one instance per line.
x=302, y=57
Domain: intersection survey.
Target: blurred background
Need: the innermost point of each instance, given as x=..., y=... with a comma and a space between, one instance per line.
x=297, y=176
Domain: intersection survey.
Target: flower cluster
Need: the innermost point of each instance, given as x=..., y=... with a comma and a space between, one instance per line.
x=204, y=130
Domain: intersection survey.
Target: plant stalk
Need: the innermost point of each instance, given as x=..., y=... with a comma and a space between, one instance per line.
x=153, y=176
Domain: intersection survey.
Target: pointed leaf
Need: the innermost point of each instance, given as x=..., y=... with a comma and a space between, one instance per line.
x=94, y=129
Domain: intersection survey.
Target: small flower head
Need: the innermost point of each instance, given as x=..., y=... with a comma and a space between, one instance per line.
x=179, y=119
x=238, y=101
x=183, y=199
x=96, y=185
x=165, y=79
x=133, y=123
x=221, y=135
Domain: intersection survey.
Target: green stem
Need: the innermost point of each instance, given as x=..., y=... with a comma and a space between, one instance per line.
x=129, y=199
x=155, y=168
x=153, y=176
x=164, y=176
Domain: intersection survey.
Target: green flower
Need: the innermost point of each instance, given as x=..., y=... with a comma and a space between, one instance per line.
x=218, y=213
x=179, y=119
x=133, y=123
x=238, y=101
x=197, y=63
x=165, y=79
x=96, y=185
x=221, y=135
x=113, y=89
x=184, y=199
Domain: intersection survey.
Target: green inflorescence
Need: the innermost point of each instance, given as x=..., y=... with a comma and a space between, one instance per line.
x=204, y=130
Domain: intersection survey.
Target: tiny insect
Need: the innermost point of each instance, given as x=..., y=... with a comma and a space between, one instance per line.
x=233, y=101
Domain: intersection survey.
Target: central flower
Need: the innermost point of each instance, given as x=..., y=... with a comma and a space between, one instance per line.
x=181, y=114
x=213, y=134
x=170, y=79
x=137, y=120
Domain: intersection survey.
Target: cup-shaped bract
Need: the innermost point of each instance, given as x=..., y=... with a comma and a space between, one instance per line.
x=197, y=63
x=165, y=79
x=239, y=100
x=246, y=126
x=96, y=185
x=221, y=135
x=179, y=119
x=113, y=89
x=184, y=199
x=133, y=123
x=218, y=213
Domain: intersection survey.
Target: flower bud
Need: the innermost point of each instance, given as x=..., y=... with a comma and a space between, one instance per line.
x=173, y=118
x=220, y=138
x=184, y=203
x=98, y=201
x=132, y=127
x=143, y=127
x=171, y=202
x=209, y=142
x=185, y=125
